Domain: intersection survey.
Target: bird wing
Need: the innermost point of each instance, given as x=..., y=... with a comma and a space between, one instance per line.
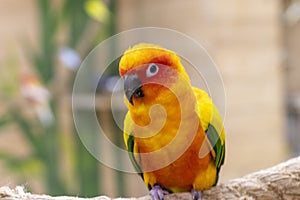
x=131, y=145
x=212, y=124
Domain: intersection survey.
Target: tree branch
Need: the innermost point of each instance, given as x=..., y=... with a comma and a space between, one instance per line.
x=279, y=182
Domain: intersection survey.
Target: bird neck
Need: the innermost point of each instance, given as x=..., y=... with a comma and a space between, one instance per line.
x=172, y=105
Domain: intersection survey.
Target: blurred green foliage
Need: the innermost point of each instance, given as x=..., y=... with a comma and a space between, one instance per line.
x=74, y=19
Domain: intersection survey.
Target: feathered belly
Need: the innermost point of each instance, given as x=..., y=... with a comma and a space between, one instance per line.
x=174, y=168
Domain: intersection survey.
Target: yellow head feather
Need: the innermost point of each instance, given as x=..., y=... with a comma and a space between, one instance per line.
x=145, y=53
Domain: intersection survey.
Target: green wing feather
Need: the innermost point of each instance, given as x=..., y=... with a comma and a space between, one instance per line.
x=131, y=148
x=218, y=146
x=131, y=145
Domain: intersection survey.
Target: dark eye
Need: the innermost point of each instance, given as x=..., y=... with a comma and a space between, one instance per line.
x=152, y=70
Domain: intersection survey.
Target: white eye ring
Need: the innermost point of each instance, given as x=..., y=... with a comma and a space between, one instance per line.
x=152, y=70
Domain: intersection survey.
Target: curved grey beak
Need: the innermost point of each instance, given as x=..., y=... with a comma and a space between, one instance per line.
x=132, y=87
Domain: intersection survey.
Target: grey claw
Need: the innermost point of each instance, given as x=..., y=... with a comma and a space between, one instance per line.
x=197, y=195
x=157, y=193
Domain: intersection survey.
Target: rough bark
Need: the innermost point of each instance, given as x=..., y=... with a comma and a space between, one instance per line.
x=279, y=182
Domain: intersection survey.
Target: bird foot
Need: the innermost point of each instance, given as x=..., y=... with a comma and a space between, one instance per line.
x=157, y=193
x=197, y=195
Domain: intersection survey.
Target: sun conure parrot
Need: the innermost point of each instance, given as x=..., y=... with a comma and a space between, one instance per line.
x=173, y=132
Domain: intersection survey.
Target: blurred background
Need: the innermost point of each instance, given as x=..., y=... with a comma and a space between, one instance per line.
x=255, y=45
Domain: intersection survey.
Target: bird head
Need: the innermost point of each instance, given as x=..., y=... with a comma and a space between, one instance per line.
x=149, y=71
